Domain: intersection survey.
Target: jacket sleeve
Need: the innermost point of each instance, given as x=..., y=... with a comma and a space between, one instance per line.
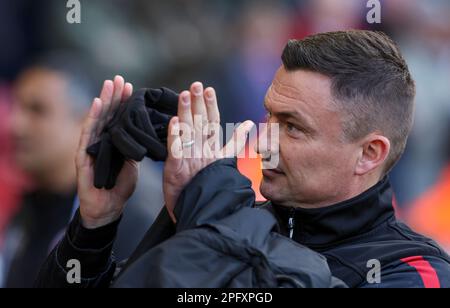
x=415, y=272
x=215, y=192
x=222, y=241
x=91, y=250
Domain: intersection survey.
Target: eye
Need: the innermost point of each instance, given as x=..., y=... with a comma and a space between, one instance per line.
x=291, y=127
x=38, y=109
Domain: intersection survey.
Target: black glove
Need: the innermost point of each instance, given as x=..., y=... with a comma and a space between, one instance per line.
x=108, y=162
x=138, y=129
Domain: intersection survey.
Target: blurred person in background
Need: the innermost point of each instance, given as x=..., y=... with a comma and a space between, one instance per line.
x=315, y=16
x=51, y=99
x=422, y=30
x=261, y=33
x=11, y=179
x=21, y=30
x=430, y=213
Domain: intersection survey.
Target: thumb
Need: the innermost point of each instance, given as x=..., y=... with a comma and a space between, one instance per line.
x=174, y=145
x=239, y=139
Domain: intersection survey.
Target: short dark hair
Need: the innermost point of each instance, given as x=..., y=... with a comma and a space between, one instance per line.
x=371, y=82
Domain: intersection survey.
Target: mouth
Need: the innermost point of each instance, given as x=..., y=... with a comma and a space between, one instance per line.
x=270, y=173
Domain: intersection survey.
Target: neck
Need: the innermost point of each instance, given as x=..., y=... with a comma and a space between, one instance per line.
x=332, y=224
x=347, y=191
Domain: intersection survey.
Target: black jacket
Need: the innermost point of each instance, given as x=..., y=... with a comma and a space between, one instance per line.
x=358, y=234
x=355, y=236
x=220, y=240
x=42, y=221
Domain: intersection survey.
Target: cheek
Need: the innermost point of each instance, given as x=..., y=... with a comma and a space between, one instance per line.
x=298, y=156
x=314, y=161
x=67, y=135
x=334, y=170
x=48, y=135
x=55, y=133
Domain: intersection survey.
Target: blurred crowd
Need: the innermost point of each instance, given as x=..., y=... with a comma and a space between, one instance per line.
x=50, y=70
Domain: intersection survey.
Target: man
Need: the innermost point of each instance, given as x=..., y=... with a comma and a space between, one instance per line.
x=344, y=105
x=345, y=101
x=50, y=103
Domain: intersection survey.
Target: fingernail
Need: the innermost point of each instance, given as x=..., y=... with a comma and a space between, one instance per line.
x=185, y=97
x=96, y=109
x=249, y=125
x=209, y=94
x=197, y=88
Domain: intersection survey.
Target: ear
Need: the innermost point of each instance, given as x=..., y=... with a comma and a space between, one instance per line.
x=374, y=152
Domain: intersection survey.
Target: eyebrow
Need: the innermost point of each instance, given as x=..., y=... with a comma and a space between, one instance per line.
x=293, y=114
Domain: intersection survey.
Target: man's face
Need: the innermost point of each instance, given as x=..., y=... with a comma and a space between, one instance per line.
x=315, y=165
x=44, y=130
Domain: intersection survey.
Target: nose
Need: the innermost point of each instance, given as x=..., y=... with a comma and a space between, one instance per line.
x=261, y=146
x=267, y=143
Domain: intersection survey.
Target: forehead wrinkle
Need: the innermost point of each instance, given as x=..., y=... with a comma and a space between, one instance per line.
x=281, y=98
x=291, y=92
x=295, y=94
x=276, y=96
x=308, y=95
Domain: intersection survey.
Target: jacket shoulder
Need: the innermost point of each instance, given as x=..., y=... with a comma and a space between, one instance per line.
x=414, y=272
x=400, y=252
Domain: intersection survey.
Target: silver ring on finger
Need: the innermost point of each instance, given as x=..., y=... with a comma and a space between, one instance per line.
x=188, y=144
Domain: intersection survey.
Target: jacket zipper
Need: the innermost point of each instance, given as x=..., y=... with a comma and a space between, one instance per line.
x=291, y=223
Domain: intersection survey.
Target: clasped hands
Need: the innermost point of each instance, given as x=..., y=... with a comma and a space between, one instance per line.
x=193, y=142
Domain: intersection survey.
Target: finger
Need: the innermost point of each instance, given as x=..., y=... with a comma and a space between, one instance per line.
x=127, y=91
x=239, y=139
x=174, y=144
x=213, y=130
x=212, y=108
x=88, y=132
x=103, y=164
x=199, y=113
x=119, y=85
x=185, y=120
x=106, y=95
x=111, y=105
